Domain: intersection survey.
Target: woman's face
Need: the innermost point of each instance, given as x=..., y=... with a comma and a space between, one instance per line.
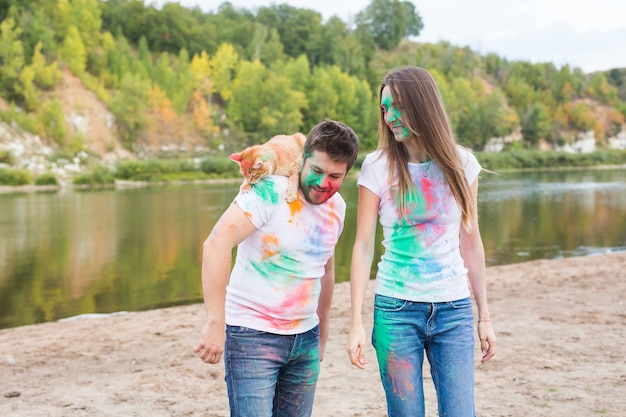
x=393, y=116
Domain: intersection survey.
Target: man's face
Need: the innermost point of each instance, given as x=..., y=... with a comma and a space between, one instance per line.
x=321, y=177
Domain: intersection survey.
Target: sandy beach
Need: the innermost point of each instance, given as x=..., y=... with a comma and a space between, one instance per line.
x=561, y=327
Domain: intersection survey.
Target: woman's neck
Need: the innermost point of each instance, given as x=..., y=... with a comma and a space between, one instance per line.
x=416, y=155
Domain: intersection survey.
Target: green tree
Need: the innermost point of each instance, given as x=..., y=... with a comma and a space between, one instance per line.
x=73, y=51
x=282, y=107
x=200, y=68
x=52, y=118
x=536, y=123
x=580, y=116
x=300, y=32
x=519, y=93
x=128, y=107
x=37, y=29
x=265, y=45
x=223, y=65
x=322, y=97
x=119, y=56
x=26, y=88
x=11, y=57
x=181, y=96
x=164, y=74
x=390, y=21
x=602, y=90
x=85, y=16
x=46, y=76
x=246, y=104
x=145, y=57
x=233, y=26
x=61, y=19
x=298, y=72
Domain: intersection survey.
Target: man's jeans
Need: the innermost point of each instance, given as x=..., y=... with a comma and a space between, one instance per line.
x=403, y=331
x=270, y=375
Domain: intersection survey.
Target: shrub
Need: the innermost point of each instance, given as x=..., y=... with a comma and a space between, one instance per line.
x=6, y=157
x=155, y=170
x=46, y=179
x=13, y=177
x=222, y=166
x=534, y=159
x=99, y=176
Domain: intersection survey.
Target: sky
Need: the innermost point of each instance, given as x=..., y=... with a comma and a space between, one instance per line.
x=590, y=35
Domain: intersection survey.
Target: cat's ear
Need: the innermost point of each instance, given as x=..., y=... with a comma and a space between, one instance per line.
x=258, y=164
x=300, y=138
x=236, y=157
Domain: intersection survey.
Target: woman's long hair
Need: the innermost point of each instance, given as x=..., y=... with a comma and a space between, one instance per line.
x=415, y=93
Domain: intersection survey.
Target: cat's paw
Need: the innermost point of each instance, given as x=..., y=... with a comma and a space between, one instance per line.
x=245, y=187
x=292, y=194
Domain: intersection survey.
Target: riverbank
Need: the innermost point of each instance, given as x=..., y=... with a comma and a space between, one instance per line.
x=560, y=327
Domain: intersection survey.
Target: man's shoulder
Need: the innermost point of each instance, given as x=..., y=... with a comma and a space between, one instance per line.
x=270, y=187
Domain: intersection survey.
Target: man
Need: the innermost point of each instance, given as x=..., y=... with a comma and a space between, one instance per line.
x=276, y=304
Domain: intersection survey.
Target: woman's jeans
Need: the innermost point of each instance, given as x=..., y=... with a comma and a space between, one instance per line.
x=403, y=331
x=271, y=375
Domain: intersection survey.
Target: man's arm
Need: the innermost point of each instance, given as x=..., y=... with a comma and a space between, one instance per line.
x=229, y=231
x=324, y=303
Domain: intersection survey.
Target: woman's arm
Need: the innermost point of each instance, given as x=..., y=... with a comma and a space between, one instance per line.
x=473, y=253
x=360, y=268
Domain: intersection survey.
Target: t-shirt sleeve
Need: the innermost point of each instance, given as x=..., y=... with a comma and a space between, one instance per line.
x=260, y=202
x=368, y=177
x=471, y=166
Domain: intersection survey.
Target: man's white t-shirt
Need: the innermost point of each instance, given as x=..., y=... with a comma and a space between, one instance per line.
x=275, y=283
x=422, y=260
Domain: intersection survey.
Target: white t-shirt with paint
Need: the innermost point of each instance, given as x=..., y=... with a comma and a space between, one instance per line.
x=275, y=283
x=422, y=260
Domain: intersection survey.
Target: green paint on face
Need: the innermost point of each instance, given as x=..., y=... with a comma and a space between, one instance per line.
x=393, y=116
x=313, y=178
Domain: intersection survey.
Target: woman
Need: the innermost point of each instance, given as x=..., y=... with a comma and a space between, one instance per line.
x=424, y=186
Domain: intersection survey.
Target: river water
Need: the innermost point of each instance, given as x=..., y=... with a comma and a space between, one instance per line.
x=71, y=252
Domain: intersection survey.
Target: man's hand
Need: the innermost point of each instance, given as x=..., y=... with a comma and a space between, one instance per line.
x=211, y=344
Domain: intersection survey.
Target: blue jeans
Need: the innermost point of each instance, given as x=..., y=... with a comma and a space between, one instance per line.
x=271, y=375
x=403, y=331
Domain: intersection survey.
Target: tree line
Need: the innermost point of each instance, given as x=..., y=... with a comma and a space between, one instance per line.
x=233, y=76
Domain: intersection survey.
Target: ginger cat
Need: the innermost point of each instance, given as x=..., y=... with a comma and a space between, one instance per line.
x=281, y=155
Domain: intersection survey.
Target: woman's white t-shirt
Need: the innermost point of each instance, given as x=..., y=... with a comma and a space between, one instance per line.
x=422, y=260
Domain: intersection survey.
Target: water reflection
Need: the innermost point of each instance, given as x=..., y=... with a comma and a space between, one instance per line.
x=72, y=252
x=552, y=215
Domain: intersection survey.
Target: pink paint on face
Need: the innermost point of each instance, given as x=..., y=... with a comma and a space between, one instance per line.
x=321, y=177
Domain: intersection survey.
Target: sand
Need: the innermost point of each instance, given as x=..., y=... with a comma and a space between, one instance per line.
x=561, y=327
